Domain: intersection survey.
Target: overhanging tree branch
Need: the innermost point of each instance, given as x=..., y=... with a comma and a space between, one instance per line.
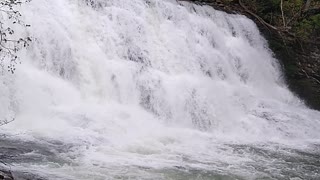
x=257, y=17
x=9, y=44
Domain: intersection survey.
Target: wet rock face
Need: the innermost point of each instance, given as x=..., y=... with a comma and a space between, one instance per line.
x=5, y=175
x=300, y=60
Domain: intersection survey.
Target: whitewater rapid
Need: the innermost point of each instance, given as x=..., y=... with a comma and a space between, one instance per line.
x=135, y=88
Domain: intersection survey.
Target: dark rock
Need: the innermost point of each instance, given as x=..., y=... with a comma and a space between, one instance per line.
x=5, y=175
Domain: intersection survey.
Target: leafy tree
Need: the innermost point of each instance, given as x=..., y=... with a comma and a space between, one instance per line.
x=11, y=43
x=299, y=18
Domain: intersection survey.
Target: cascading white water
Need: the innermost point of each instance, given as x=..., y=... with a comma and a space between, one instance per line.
x=119, y=87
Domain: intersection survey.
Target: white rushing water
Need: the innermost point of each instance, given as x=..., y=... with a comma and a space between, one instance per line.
x=136, y=88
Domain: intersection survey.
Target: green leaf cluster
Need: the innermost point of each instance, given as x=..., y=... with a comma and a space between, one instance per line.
x=295, y=19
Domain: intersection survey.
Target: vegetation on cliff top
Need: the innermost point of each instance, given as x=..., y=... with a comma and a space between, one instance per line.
x=300, y=18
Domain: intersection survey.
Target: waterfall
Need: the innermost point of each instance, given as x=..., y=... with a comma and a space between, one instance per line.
x=112, y=85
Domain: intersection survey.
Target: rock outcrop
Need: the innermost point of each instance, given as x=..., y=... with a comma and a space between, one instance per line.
x=5, y=175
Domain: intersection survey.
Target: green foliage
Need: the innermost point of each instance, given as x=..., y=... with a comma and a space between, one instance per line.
x=293, y=5
x=308, y=27
x=269, y=10
x=228, y=1
x=296, y=21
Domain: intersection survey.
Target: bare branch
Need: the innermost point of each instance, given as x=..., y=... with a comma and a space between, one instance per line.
x=9, y=45
x=257, y=17
x=283, y=18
